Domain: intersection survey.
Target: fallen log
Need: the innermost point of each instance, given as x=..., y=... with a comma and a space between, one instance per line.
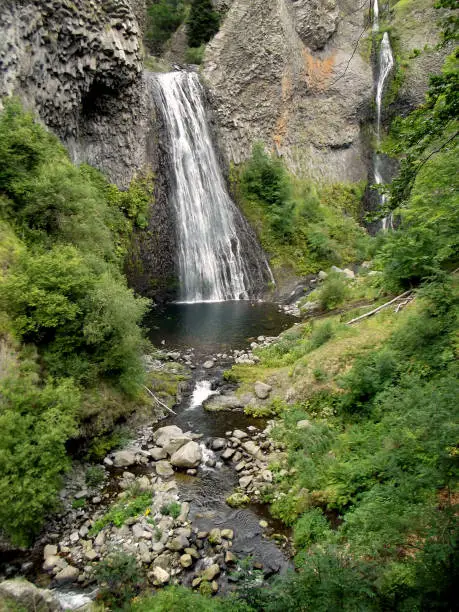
x=372, y=312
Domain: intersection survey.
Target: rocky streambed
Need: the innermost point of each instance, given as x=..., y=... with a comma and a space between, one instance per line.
x=183, y=497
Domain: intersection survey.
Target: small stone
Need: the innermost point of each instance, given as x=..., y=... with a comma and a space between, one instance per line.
x=245, y=481
x=160, y=576
x=237, y=499
x=214, y=586
x=96, y=499
x=348, y=273
x=240, y=435
x=240, y=466
x=192, y=472
x=215, y=536
x=91, y=554
x=208, y=364
x=124, y=458
x=211, y=572
x=230, y=557
x=158, y=453
x=202, y=535
x=218, y=444
x=228, y=534
x=186, y=560
x=228, y=453
x=304, y=424
x=322, y=275
x=100, y=539
x=196, y=582
x=83, y=531
x=192, y=552
x=178, y=543
x=164, y=469
x=74, y=537
x=263, y=524
x=50, y=550
x=108, y=462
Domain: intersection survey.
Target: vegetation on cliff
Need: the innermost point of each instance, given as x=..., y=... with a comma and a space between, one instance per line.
x=68, y=322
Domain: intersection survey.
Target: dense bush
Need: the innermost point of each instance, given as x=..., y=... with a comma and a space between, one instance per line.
x=119, y=579
x=301, y=225
x=36, y=418
x=64, y=232
x=202, y=22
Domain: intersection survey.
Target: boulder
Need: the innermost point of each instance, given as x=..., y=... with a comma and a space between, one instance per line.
x=322, y=275
x=178, y=543
x=21, y=594
x=67, y=575
x=245, y=481
x=262, y=390
x=164, y=434
x=348, y=273
x=219, y=403
x=188, y=456
x=228, y=534
x=208, y=364
x=237, y=499
x=211, y=572
x=240, y=435
x=252, y=449
x=174, y=443
x=124, y=458
x=215, y=536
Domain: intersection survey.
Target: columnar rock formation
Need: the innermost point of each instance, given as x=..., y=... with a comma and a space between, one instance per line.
x=287, y=72
x=79, y=65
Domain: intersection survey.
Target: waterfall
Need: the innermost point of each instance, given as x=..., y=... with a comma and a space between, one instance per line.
x=211, y=258
x=375, y=16
x=385, y=65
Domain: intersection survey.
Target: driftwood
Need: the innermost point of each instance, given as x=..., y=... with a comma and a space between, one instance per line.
x=158, y=400
x=372, y=312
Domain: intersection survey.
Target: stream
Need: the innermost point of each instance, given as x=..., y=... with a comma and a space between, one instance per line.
x=206, y=331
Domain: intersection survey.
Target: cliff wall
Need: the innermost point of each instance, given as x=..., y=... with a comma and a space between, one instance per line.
x=78, y=64
x=286, y=72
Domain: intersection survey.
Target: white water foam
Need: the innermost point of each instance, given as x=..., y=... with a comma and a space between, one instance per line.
x=201, y=392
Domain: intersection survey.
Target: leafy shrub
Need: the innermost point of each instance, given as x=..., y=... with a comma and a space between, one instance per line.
x=310, y=528
x=35, y=422
x=203, y=22
x=95, y=475
x=119, y=579
x=173, y=509
x=195, y=55
x=333, y=292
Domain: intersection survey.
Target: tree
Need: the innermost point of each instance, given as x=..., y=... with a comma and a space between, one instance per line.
x=203, y=22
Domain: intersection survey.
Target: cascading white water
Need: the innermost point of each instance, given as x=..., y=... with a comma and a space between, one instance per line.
x=375, y=16
x=211, y=261
x=385, y=65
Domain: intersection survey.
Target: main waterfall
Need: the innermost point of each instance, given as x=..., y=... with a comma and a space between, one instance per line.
x=211, y=258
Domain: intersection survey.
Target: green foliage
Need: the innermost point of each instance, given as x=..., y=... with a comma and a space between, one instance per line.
x=173, y=509
x=163, y=19
x=181, y=599
x=424, y=193
x=302, y=225
x=35, y=421
x=379, y=469
x=203, y=22
x=131, y=505
x=95, y=475
x=119, y=579
x=333, y=291
x=77, y=504
x=195, y=55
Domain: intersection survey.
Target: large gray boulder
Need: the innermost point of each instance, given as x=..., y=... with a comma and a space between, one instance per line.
x=188, y=456
x=124, y=458
x=24, y=595
x=164, y=435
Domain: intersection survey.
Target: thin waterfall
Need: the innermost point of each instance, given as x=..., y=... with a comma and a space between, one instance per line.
x=211, y=258
x=385, y=65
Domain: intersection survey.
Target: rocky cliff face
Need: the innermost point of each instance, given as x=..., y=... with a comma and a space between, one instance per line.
x=286, y=72
x=78, y=65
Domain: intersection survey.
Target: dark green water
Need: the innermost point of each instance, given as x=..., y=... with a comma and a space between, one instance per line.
x=214, y=326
